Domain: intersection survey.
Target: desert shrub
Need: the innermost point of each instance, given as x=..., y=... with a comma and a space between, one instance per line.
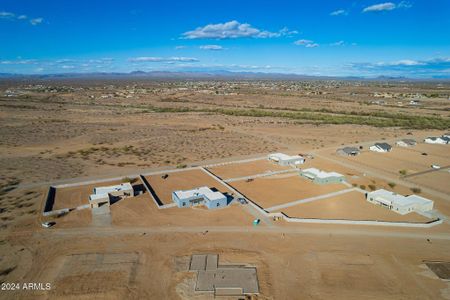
x=354, y=185
x=362, y=186
x=128, y=179
x=403, y=172
x=181, y=166
x=372, y=187
x=392, y=185
x=416, y=190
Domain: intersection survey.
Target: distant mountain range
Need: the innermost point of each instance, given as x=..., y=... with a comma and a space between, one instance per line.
x=218, y=74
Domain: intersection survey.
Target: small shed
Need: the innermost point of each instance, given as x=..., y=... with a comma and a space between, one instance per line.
x=322, y=177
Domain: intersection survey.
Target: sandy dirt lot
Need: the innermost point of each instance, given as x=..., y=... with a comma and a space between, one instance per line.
x=349, y=206
x=273, y=190
x=141, y=211
x=72, y=197
x=182, y=180
x=431, y=149
x=438, y=180
x=246, y=169
x=289, y=266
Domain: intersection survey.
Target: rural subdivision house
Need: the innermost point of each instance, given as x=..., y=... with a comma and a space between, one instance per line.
x=286, y=160
x=406, y=143
x=437, y=140
x=381, y=147
x=199, y=196
x=322, y=177
x=348, y=151
x=104, y=195
x=399, y=203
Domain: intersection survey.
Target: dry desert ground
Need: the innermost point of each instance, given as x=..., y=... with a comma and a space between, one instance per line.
x=76, y=134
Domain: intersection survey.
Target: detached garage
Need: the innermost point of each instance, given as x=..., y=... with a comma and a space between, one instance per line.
x=286, y=160
x=322, y=177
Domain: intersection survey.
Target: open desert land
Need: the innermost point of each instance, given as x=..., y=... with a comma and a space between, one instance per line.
x=114, y=128
x=182, y=180
x=349, y=206
x=71, y=131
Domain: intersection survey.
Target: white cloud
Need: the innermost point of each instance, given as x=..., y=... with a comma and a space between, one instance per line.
x=36, y=21
x=387, y=6
x=406, y=67
x=339, y=12
x=18, y=62
x=306, y=43
x=403, y=62
x=380, y=7
x=404, y=4
x=212, y=47
x=286, y=32
x=180, y=47
x=231, y=30
x=6, y=15
x=302, y=42
x=13, y=16
x=162, y=59
x=338, y=43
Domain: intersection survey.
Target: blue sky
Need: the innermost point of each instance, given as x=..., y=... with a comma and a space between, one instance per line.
x=322, y=37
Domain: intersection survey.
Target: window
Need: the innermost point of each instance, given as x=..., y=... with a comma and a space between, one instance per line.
x=218, y=204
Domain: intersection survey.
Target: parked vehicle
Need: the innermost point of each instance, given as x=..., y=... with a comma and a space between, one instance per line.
x=242, y=201
x=48, y=224
x=436, y=167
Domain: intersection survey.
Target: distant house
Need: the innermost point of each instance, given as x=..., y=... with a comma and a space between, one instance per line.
x=437, y=140
x=199, y=196
x=406, y=143
x=447, y=135
x=104, y=195
x=322, y=177
x=380, y=147
x=399, y=203
x=285, y=160
x=348, y=151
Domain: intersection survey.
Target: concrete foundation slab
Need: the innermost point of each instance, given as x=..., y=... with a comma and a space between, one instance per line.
x=212, y=261
x=223, y=280
x=244, y=278
x=198, y=262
